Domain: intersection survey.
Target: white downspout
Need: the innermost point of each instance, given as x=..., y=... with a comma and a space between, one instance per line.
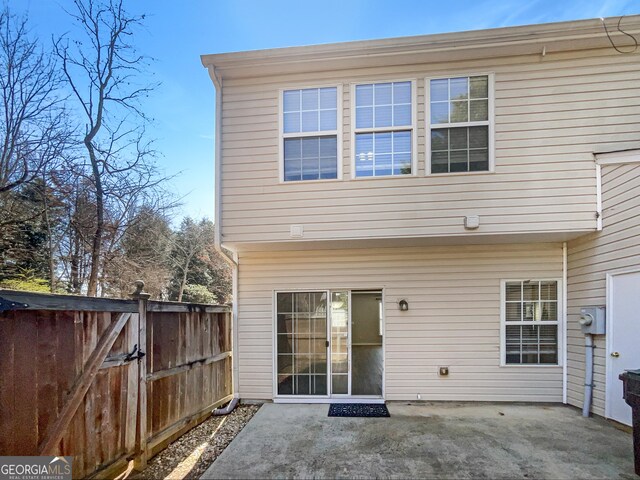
x=234, y=328
x=565, y=342
x=232, y=260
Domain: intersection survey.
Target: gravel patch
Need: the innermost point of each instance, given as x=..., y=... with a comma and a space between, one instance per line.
x=190, y=455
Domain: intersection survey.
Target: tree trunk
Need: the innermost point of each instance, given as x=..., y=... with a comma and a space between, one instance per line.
x=47, y=221
x=185, y=272
x=96, y=247
x=183, y=283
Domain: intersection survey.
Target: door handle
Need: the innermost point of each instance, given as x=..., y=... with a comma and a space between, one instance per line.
x=615, y=354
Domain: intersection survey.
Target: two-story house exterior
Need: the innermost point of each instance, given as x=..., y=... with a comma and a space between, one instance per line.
x=422, y=218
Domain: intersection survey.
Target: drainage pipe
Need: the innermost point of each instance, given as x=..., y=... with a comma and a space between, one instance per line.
x=228, y=409
x=588, y=373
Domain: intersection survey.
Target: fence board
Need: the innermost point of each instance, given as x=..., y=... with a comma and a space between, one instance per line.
x=26, y=412
x=43, y=356
x=47, y=346
x=7, y=396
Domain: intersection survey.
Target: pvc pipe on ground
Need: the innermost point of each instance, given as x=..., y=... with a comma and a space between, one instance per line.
x=588, y=374
x=228, y=409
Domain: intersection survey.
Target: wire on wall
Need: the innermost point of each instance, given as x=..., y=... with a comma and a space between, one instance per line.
x=618, y=49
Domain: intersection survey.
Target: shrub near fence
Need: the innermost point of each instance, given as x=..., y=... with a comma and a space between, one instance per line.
x=76, y=381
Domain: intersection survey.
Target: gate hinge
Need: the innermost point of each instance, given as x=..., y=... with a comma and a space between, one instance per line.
x=10, y=305
x=135, y=354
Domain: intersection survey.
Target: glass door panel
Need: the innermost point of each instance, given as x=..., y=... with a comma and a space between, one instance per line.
x=301, y=332
x=340, y=343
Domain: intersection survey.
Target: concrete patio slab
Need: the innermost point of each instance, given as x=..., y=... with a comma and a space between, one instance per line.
x=442, y=440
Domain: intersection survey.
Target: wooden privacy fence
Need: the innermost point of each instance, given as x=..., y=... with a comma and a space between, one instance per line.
x=110, y=382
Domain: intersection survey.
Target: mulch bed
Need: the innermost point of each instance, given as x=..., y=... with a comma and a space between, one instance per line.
x=190, y=455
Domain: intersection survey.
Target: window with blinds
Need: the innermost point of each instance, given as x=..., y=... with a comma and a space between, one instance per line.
x=460, y=124
x=383, y=129
x=310, y=134
x=531, y=319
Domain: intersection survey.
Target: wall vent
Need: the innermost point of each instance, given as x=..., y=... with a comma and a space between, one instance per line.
x=471, y=222
x=296, y=231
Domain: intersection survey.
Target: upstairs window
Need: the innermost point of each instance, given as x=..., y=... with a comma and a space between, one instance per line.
x=384, y=129
x=310, y=134
x=460, y=124
x=530, y=322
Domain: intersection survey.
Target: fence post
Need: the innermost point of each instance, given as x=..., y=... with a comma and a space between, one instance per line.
x=140, y=461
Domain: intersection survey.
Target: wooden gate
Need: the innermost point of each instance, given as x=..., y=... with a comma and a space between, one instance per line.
x=75, y=381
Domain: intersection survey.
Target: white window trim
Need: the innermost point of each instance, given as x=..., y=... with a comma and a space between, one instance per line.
x=413, y=128
x=491, y=124
x=559, y=323
x=338, y=133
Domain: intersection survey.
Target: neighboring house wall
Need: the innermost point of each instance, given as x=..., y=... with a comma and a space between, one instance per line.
x=590, y=258
x=551, y=114
x=453, y=318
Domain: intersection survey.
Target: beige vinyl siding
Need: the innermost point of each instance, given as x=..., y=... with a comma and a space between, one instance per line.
x=551, y=114
x=453, y=318
x=590, y=258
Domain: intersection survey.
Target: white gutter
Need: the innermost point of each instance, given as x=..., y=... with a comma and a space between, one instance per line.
x=233, y=261
x=565, y=369
x=447, y=47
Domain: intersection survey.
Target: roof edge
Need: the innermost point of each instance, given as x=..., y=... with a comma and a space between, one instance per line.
x=526, y=34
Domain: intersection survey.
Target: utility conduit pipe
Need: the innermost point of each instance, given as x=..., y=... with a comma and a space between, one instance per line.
x=588, y=373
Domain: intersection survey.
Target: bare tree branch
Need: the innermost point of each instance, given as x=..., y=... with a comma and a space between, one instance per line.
x=34, y=130
x=101, y=71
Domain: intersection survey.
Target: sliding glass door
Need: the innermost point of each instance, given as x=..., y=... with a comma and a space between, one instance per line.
x=307, y=363
x=301, y=333
x=340, y=343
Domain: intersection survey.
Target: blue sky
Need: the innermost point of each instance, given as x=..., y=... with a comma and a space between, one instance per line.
x=177, y=32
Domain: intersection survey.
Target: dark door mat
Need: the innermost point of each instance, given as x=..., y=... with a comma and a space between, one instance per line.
x=358, y=410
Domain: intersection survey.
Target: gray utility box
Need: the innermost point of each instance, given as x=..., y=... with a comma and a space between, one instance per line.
x=593, y=320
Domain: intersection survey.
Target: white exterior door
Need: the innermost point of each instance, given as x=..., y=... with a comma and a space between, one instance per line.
x=623, y=339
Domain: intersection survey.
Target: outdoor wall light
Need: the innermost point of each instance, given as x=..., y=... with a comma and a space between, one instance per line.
x=404, y=305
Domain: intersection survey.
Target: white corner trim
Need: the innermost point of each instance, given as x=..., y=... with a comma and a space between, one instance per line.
x=217, y=82
x=598, y=197
x=617, y=158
